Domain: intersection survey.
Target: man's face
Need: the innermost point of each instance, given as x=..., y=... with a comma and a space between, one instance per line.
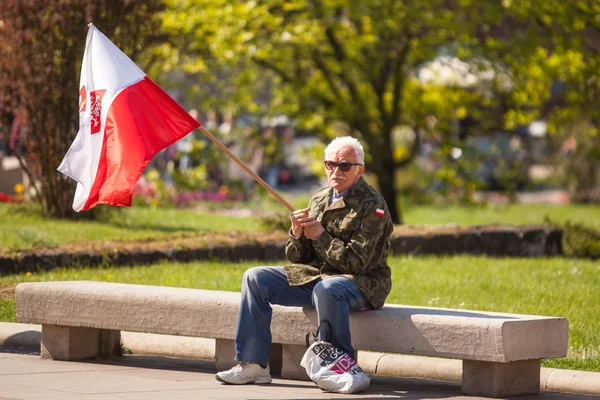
x=338, y=179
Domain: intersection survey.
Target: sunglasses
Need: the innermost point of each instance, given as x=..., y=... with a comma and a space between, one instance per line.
x=343, y=166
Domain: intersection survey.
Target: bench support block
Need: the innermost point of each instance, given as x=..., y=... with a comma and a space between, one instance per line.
x=492, y=379
x=71, y=343
x=291, y=369
x=225, y=356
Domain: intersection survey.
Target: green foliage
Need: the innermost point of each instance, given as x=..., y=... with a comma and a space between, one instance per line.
x=209, y=164
x=559, y=85
x=276, y=221
x=151, y=190
x=319, y=63
x=313, y=157
x=454, y=171
x=445, y=179
x=577, y=158
x=579, y=240
x=340, y=67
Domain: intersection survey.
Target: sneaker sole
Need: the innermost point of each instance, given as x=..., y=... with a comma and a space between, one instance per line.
x=245, y=382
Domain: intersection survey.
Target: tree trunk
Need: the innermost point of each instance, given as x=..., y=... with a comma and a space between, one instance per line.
x=384, y=168
x=39, y=78
x=58, y=201
x=388, y=191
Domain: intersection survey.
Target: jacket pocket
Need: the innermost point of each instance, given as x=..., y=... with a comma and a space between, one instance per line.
x=350, y=222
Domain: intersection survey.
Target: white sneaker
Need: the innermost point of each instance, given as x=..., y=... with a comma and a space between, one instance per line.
x=244, y=373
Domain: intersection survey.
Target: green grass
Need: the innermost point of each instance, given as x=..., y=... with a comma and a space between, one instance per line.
x=8, y=311
x=518, y=214
x=552, y=287
x=549, y=286
x=22, y=230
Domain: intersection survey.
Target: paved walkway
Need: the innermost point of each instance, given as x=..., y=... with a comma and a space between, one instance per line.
x=24, y=375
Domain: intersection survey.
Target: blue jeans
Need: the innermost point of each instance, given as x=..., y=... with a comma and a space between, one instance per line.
x=333, y=298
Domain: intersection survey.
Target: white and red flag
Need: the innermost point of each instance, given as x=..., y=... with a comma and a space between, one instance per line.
x=124, y=120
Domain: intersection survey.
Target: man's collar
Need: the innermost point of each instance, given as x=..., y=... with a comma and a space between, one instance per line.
x=335, y=196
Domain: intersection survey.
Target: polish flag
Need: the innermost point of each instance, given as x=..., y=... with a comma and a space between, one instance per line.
x=124, y=120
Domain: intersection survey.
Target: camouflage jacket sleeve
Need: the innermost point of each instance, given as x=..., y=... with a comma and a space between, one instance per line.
x=299, y=250
x=364, y=249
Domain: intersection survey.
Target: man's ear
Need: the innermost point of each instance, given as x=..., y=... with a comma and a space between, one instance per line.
x=362, y=170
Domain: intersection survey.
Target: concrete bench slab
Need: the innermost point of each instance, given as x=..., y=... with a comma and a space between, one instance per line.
x=501, y=352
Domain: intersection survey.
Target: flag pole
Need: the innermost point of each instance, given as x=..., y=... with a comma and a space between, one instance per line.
x=246, y=168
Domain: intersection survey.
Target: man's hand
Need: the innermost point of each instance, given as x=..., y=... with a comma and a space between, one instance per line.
x=302, y=223
x=298, y=217
x=312, y=228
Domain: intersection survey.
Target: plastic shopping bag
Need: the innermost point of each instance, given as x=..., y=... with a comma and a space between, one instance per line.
x=333, y=370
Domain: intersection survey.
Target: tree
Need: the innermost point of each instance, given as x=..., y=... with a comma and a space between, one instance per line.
x=556, y=81
x=40, y=60
x=327, y=61
x=355, y=62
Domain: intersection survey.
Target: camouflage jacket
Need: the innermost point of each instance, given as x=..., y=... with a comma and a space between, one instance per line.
x=355, y=243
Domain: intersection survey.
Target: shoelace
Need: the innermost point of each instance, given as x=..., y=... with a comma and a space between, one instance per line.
x=239, y=367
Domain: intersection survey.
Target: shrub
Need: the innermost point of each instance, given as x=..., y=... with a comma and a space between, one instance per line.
x=579, y=240
x=276, y=221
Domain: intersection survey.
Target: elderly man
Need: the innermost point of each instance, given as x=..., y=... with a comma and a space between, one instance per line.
x=338, y=248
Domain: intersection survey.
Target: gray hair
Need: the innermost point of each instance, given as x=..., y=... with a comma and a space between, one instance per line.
x=347, y=141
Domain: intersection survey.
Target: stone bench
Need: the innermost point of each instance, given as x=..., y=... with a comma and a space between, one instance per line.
x=501, y=352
